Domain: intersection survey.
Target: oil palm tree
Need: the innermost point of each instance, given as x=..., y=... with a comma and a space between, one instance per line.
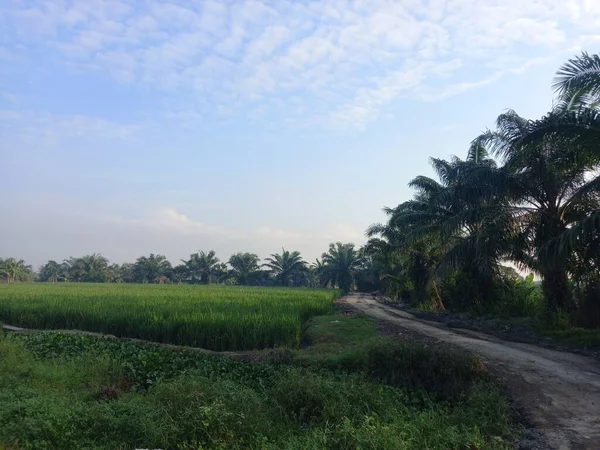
x=95, y=268
x=579, y=79
x=203, y=266
x=51, y=271
x=576, y=117
x=243, y=266
x=284, y=265
x=441, y=231
x=540, y=192
x=152, y=269
x=576, y=113
x=340, y=264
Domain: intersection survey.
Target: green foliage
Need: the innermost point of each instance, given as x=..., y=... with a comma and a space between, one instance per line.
x=212, y=317
x=339, y=266
x=351, y=344
x=145, y=364
x=538, y=208
x=574, y=337
x=152, y=269
x=203, y=267
x=244, y=267
x=510, y=296
x=519, y=297
x=287, y=267
x=13, y=269
x=68, y=391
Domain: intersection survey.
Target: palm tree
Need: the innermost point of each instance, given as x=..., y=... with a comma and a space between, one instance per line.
x=202, y=265
x=51, y=271
x=75, y=268
x=441, y=232
x=579, y=79
x=88, y=268
x=116, y=274
x=152, y=269
x=95, y=268
x=243, y=266
x=283, y=266
x=575, y=117
x=545, y=191
x=340, y=264
x=15, y=270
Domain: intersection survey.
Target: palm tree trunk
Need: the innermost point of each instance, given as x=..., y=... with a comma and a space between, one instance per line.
x=557, y=293
x=438, y=304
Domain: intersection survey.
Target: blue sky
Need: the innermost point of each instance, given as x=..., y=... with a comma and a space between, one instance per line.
x=130, y=127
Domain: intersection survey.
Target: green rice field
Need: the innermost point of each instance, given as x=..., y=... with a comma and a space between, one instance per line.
x=215, y=317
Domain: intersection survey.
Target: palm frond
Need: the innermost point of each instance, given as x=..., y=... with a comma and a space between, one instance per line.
x=579, y=73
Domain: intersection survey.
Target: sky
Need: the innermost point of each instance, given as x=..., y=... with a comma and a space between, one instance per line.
x=135, y=127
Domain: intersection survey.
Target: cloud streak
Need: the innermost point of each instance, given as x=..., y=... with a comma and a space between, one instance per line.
x=345, y=60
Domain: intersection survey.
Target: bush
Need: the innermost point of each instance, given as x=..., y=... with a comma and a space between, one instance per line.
x=519, y=297
x=446, y=374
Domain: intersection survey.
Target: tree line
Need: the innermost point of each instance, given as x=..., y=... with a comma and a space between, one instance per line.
x=338, y=267
x=528, y=193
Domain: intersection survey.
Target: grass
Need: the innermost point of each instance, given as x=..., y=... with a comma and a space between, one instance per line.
x=68, y=391
x=346, y=387
x=352, y=344
x=213, y=317
x=575, y=337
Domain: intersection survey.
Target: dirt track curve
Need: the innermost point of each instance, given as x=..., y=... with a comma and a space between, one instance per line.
x=560, y=391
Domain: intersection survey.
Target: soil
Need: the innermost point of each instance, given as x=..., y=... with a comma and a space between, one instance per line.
x=558, y=392
x=516, y=330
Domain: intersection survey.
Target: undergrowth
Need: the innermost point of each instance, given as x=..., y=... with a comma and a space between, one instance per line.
x=345, y=391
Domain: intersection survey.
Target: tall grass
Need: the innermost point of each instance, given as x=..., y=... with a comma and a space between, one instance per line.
x=213, y=317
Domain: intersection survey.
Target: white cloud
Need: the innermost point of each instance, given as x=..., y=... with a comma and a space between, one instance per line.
x=346, y=60
x=51, y=129
x=273, y=233
x=464, y=86
x=172, y=221
x=343, y=232
x=169, y=220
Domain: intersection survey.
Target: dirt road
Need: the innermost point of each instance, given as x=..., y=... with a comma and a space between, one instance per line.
x=560, y=391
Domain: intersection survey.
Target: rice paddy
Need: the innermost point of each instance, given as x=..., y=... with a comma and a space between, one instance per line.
x=215, y=317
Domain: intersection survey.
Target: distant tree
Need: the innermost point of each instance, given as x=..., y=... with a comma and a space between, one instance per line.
x=152, y=269
x=243, y=266
x=314, y=274
x=509, y=273
x=12, y=269
x=53, y=272
x=89, y=268
x=127, y=273
x=221, y=273
x=180, y=273
x=75, y=269
x=122, y=273
x=114, y=273
x=96, y=268
x=340, y=265
x=285, y=266
x=202, y=266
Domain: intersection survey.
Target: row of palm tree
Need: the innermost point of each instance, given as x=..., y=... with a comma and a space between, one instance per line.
x=338, y=267
x=536, y=206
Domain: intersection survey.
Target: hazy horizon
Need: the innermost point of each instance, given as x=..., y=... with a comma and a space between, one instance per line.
x=130, y=128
